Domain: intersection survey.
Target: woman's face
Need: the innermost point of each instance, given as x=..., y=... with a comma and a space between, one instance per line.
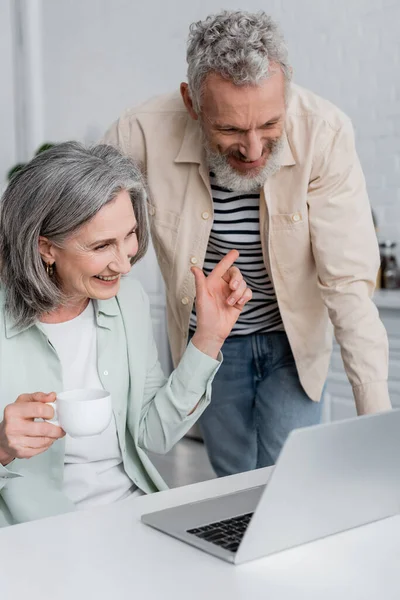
x=91, y=261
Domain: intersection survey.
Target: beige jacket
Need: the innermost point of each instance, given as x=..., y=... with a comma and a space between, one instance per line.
x=319, y=242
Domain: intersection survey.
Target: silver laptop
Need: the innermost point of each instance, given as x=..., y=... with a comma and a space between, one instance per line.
x=328, y=478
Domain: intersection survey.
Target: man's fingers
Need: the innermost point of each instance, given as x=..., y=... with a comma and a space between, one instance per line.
x=224, y=264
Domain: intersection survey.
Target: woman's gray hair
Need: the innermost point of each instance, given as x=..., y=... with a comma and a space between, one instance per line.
x=53, y=196
x=238, y=45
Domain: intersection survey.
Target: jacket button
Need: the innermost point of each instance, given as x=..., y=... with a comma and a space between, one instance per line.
x=193, y=260
x=205, y=215
x=105, y=373
x=185, y=300
x=296, y=217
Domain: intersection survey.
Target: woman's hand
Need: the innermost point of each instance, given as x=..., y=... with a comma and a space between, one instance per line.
x=20, y=435
x=220, y=298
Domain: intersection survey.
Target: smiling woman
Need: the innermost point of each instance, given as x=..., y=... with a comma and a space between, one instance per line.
x=65, y=203
x=72, y=223
x=91, y=261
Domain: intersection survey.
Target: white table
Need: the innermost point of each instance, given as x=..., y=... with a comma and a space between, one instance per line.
x=108, y=554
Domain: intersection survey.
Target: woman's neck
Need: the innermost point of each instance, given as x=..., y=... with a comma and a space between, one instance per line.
x=65, y=312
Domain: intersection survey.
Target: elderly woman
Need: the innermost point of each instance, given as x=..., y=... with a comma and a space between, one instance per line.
x=72, y=224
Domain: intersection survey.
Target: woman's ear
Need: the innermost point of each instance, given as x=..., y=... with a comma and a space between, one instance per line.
x=46, y=250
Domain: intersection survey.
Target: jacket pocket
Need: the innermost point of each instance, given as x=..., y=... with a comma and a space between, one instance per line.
x=290, y=243
x=289, y=221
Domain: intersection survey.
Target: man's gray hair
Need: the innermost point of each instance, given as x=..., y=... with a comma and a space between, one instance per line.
x=56, y=193
x=238, y=45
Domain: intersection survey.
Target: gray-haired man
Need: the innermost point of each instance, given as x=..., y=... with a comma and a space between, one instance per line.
x=245, y=159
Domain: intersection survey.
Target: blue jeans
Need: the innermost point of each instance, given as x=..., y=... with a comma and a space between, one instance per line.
x=257, y=399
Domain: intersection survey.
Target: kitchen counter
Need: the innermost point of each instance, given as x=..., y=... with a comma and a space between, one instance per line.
x=389, y=299
x=339, y=402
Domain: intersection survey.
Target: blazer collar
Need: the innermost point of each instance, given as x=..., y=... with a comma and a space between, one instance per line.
x=103, y=309
x=11, y=328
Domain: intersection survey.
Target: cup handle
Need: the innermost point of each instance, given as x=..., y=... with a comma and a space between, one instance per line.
x=54, y=420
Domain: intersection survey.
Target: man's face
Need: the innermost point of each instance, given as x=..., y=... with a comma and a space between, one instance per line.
x=242, y=130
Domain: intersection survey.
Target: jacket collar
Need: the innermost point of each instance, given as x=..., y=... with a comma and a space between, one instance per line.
x=107, y=307
x=103, y=309
x=191, y=150
x=11, y=328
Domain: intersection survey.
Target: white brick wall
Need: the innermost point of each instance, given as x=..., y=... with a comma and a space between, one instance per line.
x=108, y=56
x=349, y=52
x=7, y=133
x=345, y=50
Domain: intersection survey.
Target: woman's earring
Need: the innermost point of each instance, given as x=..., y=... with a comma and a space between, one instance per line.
x=50, y=269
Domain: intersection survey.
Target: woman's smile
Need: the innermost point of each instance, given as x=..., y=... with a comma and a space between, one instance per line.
x=107, y=278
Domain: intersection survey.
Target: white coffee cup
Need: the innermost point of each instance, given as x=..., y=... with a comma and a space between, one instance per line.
x=82, y=412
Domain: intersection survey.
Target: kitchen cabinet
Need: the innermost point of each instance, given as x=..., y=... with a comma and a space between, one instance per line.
x=339, y=402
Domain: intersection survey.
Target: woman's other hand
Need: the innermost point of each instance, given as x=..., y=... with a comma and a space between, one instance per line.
x=220, y=298
x=20, y=435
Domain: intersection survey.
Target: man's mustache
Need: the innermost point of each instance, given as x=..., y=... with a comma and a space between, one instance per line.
x=268, y=148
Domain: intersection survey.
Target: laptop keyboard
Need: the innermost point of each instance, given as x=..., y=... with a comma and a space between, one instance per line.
x=227, y=533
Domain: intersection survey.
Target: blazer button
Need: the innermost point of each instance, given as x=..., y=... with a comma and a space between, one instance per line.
x=296, y=217
x=185, y=300
x=205, y=215
x=193, y=260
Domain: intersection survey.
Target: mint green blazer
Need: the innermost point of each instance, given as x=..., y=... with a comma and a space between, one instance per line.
x=151, y=411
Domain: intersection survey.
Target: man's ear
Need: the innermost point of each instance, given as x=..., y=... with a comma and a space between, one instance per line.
x=187, y=100
x=46, y=250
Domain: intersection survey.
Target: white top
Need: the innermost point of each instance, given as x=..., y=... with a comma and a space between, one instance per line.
x=93, y=473
x=108, y=553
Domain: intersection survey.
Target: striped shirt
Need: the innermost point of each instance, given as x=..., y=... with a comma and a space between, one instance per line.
x=237, y=225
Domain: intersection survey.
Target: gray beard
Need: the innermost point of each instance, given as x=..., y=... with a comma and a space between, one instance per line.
x=227, y=177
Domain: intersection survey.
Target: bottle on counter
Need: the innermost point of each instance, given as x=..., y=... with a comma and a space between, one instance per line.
x=379, y=274
x=389, y=267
